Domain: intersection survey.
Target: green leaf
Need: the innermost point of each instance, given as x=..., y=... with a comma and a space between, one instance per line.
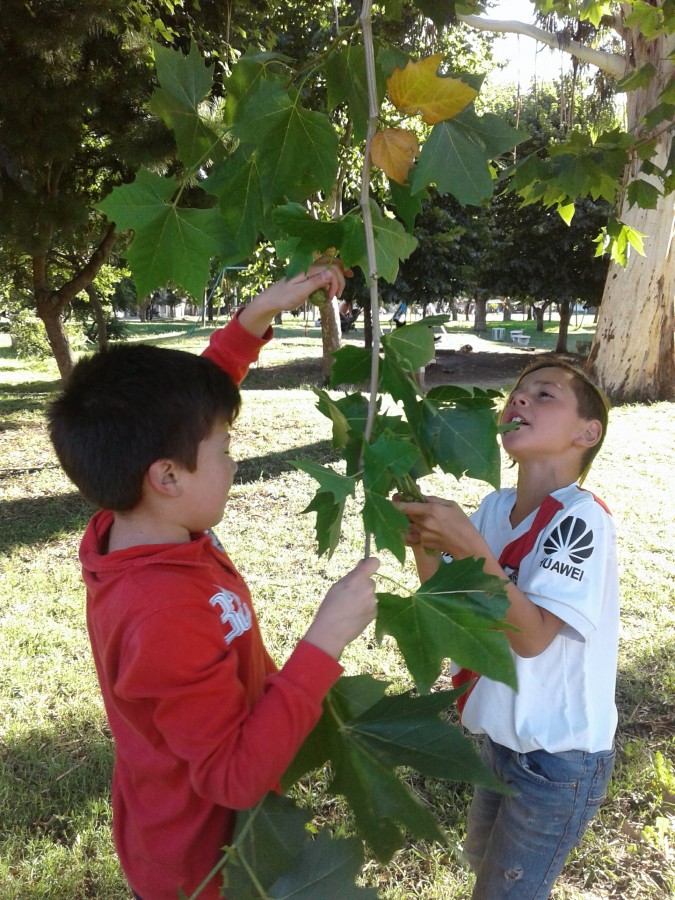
x=139, y=203
x=407, y=204
x=414, y=344
x=386, y=523
x=439, y=11
x=273, y=850
x=392, y=244
x=646, y=18
x=380, y=802
x=328, y=503
x=456, y=154
x=366, y=736
x=296, y=147
x=457, y=613
x=327, y=867
x=311, y=235
x=643, y=194
x=184, y=78
x=170, y=244
x=184, y=82
x=638, y=78
x=409, y=731
x=351, y=365
x=268, y=838
x=178, y=249
x=236, y=183
x=346, y=81
x=254, y=67
x=463, y=440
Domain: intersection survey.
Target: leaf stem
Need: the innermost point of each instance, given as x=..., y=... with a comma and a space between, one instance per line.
x=373, y=112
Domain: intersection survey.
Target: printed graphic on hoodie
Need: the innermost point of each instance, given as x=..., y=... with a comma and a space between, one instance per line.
x=234, y=612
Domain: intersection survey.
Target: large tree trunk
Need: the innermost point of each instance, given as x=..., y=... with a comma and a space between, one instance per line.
x=633, y=356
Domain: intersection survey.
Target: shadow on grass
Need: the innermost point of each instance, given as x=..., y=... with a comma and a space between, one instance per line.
x=282, y=377
x=49, y=777
x=271, y=465
x=36, y=520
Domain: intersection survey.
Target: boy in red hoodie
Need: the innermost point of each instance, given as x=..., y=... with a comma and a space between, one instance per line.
x=203, y=722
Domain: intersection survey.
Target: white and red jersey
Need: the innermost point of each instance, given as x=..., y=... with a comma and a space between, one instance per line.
x=565, y=698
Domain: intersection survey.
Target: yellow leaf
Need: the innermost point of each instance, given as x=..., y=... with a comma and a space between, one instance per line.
x=418, y=88
x=394, y=150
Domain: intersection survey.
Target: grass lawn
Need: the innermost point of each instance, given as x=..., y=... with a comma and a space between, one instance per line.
x=55, y=748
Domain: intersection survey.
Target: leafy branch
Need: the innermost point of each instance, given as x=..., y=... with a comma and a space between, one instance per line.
x=266, y=168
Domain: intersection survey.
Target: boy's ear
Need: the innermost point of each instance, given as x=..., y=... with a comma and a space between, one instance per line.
x=163, y=477
x=590, y=434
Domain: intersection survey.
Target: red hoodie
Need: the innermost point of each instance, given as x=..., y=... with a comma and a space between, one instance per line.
x=202, y=721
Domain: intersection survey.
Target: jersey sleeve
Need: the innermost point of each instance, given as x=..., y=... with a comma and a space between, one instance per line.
x=234, y=349
x=236, y=748
x=570, y=566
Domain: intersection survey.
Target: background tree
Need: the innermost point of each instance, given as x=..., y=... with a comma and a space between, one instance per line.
x=73, y=123
x=632, y=354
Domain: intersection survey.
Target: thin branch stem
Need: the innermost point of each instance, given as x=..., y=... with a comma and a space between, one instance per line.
x=373, y=113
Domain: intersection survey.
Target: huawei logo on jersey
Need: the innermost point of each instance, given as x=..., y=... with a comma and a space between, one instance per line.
x=573, y=539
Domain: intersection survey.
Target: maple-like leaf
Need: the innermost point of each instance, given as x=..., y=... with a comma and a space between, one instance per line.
x=170, y=243
x=296, y=147
x=419, y=89
x=395, y=150
x=392, y=244
x=328, y=503
x=184, y=83
x=366, y=736
x=458, y=613
x=273, y=850
x=346, y=80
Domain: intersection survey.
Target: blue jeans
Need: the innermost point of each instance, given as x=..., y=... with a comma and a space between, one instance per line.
x=518, y=845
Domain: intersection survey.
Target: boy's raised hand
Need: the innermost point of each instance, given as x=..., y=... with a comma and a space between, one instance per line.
x=346, y=609
x=444, y=526
x=290, y=293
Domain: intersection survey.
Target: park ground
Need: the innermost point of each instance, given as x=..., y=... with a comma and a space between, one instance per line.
x=55, y=747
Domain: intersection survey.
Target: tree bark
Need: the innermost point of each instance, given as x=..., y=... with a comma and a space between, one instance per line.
x=330, y=331
x=99, y=317
x=480, y=319
x=563, y=328
x=633, y=354
x=50, y=304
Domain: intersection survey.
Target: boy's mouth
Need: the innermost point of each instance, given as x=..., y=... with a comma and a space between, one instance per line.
x=517, y=420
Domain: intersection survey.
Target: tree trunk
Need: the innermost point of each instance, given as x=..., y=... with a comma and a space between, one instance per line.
x=330, y=333
x=506, y=312
x=99, y=317
x=57, y=337
x=480, y=320
x=539, y=315
x=563, y=328
x=633, y=356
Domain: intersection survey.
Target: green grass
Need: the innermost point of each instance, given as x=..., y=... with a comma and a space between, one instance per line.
x=55, y=748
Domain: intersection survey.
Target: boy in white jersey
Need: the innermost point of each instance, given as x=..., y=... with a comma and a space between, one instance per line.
x=552, y=740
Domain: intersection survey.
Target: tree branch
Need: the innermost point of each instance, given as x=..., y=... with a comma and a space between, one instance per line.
x=612, y=63
x=86, y=275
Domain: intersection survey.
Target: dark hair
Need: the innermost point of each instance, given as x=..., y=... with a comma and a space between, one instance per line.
x=126, y=407
x=591, y=401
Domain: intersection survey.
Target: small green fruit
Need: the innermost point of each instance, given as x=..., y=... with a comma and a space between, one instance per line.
x=318, y=297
